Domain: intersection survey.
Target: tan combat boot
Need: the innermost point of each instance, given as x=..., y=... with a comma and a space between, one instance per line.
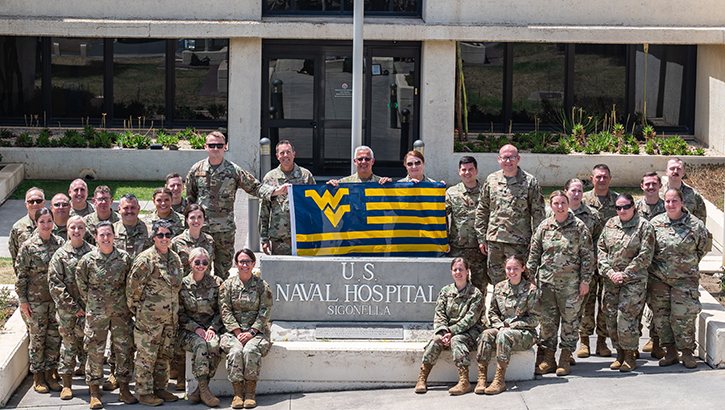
x=39, y=384
x=95, y=391
x=602, y=349
x=671, y=357
x=180, y=363
x=250, y=390
x=649, y=345
x=124, y=394
x=617, y=364
x=194, y=397
x=482, y=373
x=630, y=361
x=548, y=364
x=540, y=352
x=657, y=351
x=422, y=385
x=498, y=385
x=238, y=401
x=205, y=394
x=583, y=347
x=464, y=385
x=564, y=362
x=52, y=379
x=150, y=400
x=111, y=383
x=688, y=360
x=165, y=395
x=67, y=392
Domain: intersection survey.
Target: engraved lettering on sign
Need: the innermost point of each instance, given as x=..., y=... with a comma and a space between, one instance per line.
x=359, y=332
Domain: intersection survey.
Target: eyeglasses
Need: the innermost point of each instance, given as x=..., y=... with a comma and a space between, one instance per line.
x=416, y=163
x=623, y=207
x=204, y=262
x=363, y=159
x=61, y=204
x=103, y=199
x=35, y=201
x=164, y=235
x=215, y=146
x=245, y=262
x=508, y=159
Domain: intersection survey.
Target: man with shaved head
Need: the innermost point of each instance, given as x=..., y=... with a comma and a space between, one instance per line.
x=78, y=193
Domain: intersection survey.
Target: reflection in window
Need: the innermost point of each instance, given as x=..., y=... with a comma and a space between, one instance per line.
x=20, y=77
x=665, y=80
x=538, y=82
x=393, y=90
x=139, y=81
x=292, y=85
x=483, y=73
x=202, y=75
x=600, y=78
x=340, y=6
x=77, y=77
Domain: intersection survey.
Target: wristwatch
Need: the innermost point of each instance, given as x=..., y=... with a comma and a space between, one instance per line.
x=252, y=332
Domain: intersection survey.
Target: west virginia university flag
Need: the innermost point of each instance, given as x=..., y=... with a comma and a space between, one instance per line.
x=401, y=219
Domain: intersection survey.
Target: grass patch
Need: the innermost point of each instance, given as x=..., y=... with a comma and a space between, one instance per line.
x=142, y=189
x=7, y=275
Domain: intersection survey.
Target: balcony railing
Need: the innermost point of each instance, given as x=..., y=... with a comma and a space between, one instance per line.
x=392, y=8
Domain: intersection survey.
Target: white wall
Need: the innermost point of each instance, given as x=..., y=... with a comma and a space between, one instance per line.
x=710, y=96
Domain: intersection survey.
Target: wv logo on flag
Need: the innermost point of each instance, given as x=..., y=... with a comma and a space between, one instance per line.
x=401, y=219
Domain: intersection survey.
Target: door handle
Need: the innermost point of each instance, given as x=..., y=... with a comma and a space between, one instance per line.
x=313, y=124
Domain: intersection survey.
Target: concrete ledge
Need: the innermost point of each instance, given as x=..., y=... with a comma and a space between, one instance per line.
x=13, y=356
x=11, y=175
x=710, y=331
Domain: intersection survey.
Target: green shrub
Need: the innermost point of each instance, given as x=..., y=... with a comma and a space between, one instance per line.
x=141, y=141
x=187, y=133
x=43, y=140
x=89, y=132
x=24, y=140
x=102, y=139
x=166, y=139
x=197, y=141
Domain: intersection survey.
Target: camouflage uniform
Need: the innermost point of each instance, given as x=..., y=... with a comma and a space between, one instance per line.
x=178, y=224
x=425, y=179
x=102, y=287
x=674, y=278
x=32, y=286
x=184, y=244
x=648, y=211
x=216, y=190
x=274, y=216
x=61, y=231
x=199, y=308
x=692, y=200
x=508, y=212
x=152, y=294
x=181, y=206
x=513, y=321
x=92, y=220
x=457, y=313
x=245, y=307
x=355, y=179
x=625, y=247
x=64, y=290
x=461, y=203
x=89, y=209
x=562, y=258
x=22, y=231
x=132, y=239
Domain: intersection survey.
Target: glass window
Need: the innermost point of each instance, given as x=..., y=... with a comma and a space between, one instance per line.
x=538, y=82
x=77, y=77
x=339, y=6
x=292, y=85
x=483, y=76
x=661, y=81
x=20, y=76
x=202, y=78
x=600, y=74
x=139, y=82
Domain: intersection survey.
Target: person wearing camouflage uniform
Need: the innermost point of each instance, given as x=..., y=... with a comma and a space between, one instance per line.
x=102, y=200
x=192, y=237
x=131, y=233
x=60, y=208
x=692, y=199
x=364, y=159
x=213, y=184
x=163, y=211
x=602, y=199
x=562, y=260
x=200, y=323
x=274, y=215
x=23, y=229
x=78, y=193
x=152, y=295
x=245, y=302
x=414, y=163
x=456, y=325
x=624, y=254
x=510, y=207
x=176, y=185
x=36, y=305
x=513, y=319
x=70, y=312
x=101, y=279
x=680, y=245
x=461, y=204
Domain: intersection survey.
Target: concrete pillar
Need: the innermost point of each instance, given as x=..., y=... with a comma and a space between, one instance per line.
x=437, y=99
x=710, y=96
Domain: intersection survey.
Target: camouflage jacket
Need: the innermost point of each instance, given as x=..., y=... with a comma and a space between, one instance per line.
x=199, y=303
x=178, y=224
x=134, y=239
x=152, y=288
x=509, y=209
x=216, y=191
x=246, y=306
x=22, y=231
x=626, y=247
x=679, y=247
x=425, y=179
x=32, y=265
x=89, y=209
x=102, y=281
x=648, y=211
x=61, y=231
x=62, y=276
x=605, y=206
x=91, y=221
x=562, y=254
x=355, y=179
x=184, y=244
x=589, y=216
x=274, y=216
x=181, y=206
x=692, y=200
x=513, y=305
x=457, y=312
x=461, y=203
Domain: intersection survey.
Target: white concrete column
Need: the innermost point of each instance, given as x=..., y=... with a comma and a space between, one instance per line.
x=710, y=96
x=245, y=100
x=437, y=98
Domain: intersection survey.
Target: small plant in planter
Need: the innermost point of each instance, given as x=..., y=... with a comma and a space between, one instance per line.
x=43, y=140
x=24, y=140
x=102, y=139
x=186, y=133
x=649, y=133
x=89, y=132
x=197, y=141
x=167, y=140
x=141, y=141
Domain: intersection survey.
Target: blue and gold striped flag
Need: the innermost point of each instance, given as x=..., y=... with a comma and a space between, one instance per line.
x=400, y=219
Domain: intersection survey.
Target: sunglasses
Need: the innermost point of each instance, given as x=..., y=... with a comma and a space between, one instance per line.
x=204, y=262
x=215, y=146
x=246, y=262
x=363, y=159
x=35, y=201
x=416, y=163
x=164, y=235
x=623, y=207
x=61, y=204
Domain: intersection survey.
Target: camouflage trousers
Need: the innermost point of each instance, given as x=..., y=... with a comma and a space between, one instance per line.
x=223, y=258
x=205, y=356
x=71, y=333
x=479, y=266
x=623, y=304
x=461, y=346
x=502, y=342
x=675, y=306
x=244, y=361
x=94, y=341
x=560, y=305
x=593, y=304
x=497, y=254
x=153, y=354
x=44, y=345
x=281, y=246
